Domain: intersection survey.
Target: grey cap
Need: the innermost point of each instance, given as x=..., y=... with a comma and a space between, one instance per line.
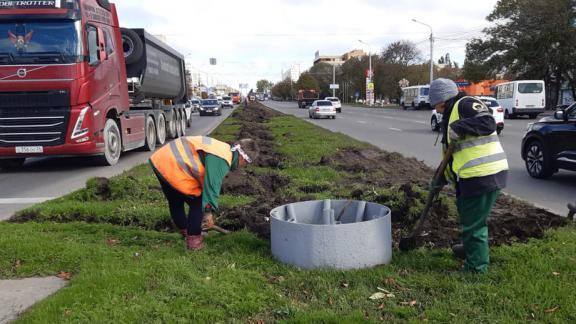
x=441, y=90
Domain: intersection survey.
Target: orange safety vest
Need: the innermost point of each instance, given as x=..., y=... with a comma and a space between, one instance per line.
x=180, y=165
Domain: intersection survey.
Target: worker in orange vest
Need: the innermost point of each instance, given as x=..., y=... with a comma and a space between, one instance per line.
x=191, y=171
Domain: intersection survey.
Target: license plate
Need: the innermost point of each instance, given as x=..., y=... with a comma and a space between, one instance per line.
x=209, y=110
x=29, y=149
x=530, y=106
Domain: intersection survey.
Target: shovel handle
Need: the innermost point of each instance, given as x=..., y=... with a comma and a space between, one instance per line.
x=219, y=229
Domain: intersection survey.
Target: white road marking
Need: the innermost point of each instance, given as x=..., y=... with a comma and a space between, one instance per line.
x=361, y=122
x=420, y=122
x=396, y=129
x=16, y=201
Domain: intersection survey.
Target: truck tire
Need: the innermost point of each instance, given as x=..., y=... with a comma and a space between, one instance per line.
x=178, y=124
x=171, y=126
x=132, y=45
x=183, y=122
x=150, y=134
x=112, y=143
x=161, y=130
x=11, y=164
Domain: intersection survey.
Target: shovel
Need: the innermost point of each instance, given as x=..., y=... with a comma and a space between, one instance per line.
x=409, y=243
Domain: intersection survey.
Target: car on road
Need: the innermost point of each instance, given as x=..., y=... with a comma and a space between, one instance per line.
x=550, y=144
x=210, y=107
x=195, y=104
x=336, y=103
x=497, y=112
x=322, y=108
x=227, y=102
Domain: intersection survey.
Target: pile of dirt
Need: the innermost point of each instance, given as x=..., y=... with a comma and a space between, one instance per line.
x=511, y=221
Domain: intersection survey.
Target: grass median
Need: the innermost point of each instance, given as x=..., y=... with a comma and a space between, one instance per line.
x=114, y=239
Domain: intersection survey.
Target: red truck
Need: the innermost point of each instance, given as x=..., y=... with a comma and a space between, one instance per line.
x=72, y=82
x=307, y=97
x=235, y=97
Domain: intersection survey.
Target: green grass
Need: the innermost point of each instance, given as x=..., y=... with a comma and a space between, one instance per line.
x=125, y=274
x=127, y=268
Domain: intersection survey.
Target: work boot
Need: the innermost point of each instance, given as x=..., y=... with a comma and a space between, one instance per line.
x=195, y=242
x=458, y=251
x=184, y=233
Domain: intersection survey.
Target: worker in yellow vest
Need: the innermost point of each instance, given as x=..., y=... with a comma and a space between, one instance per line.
x=478, y=167
x=191, y=171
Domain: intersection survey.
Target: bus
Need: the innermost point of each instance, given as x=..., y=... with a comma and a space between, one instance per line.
x=521, y=97
x=415, y=97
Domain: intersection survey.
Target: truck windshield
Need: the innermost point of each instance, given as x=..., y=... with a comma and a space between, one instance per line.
x=40, y=42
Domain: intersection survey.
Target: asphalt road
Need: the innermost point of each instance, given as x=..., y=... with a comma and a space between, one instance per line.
x=408, y=132
x=42, y=179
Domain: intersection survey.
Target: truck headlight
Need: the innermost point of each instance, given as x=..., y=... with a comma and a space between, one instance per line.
x=79, y=131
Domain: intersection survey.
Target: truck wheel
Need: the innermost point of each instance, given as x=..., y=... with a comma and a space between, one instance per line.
x=171, y=126
x=9, y=164
x=183, y=123
x=178, y=124
x=132, y=45
x=112, y=143
x=150, y=134
x=161, y=130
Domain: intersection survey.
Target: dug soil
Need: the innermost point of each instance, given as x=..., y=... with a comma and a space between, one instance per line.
x=511, y=220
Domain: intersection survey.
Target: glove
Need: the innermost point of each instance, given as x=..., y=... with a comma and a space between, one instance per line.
x=208, y=221
x=438, y=185
x=453, y=135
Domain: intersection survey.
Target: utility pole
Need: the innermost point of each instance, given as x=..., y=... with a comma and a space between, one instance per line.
x=431, y=49
x=333, y=79
x=370, y=98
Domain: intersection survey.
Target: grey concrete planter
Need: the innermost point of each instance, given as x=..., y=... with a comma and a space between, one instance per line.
x=340, y=234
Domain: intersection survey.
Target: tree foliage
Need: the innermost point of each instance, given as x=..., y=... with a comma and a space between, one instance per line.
x=530, y=39
x=263, y=85
x=307, y=82
x=284, y=89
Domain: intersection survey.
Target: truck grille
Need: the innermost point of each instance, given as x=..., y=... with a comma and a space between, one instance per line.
x=34, y=118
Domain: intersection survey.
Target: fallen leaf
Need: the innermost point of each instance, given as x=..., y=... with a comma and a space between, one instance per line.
x=390, y=281
x=413, y=303
x=381, y=307
x=232, y=266
x=344, y=284
x=452, y=314
x=552, y=310
x=410, y=303
x=17, y=264
x=383, y=290
x=65, y=275
x=378, y=295
x=330, y=301
x=381, y=295
x=112, y=242
x=555, y=273
x=208, y=278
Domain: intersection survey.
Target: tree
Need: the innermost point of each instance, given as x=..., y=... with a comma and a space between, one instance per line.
x=307, y=82
x=263, y=85
x=284, y=89
x=322, y=72
x=530, y=39
x=402, y=52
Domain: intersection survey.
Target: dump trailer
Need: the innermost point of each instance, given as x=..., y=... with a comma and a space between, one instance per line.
x=307, y=97
x=73, y=83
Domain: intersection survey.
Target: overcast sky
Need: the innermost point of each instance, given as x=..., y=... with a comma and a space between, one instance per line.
x=257, y=39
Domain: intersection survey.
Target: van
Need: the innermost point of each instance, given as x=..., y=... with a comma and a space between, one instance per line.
x=416, y=97
x=521, y=97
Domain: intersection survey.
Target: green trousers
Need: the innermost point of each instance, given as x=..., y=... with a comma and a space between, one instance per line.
x=474, y=212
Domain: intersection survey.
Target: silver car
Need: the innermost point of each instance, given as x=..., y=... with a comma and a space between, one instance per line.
x=322, y=108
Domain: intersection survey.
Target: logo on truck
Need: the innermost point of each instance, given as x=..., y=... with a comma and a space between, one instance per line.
x=21, y=73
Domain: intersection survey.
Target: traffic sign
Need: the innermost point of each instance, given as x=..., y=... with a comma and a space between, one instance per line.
x=334, y=86
x=371, y=86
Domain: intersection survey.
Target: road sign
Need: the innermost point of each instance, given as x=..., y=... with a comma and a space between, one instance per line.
x=334, y=86
x=212, y=61
x=371, y=86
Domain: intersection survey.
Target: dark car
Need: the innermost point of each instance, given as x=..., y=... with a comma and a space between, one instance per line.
x=550, y=144
x=210, y=107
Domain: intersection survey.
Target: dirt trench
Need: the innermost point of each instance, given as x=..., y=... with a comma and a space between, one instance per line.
x=512, y=220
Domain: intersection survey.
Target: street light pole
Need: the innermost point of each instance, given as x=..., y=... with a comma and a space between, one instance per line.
x=333, y=79
x=431, y=48
x=369, y=69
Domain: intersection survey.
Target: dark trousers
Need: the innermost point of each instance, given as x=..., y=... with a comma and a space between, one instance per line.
x=176, y=201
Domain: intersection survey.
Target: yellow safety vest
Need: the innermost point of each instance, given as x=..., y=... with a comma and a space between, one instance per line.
x=180, y=165
x=475, y=156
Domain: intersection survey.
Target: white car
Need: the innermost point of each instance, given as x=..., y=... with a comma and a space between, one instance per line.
x=336, y=103
x=497, y=112
x=226, y=102
x=322, y=108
